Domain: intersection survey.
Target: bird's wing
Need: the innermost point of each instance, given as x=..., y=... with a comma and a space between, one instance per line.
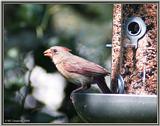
x=82, y=66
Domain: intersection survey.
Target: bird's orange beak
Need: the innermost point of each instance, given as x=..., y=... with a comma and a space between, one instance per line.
x=47, y=53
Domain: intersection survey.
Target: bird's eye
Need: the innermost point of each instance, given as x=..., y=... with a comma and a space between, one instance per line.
x=54, y=50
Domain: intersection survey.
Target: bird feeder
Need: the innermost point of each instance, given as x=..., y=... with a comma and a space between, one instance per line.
x=134, y=70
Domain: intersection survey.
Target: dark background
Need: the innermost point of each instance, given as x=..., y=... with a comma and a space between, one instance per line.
x=33, y=89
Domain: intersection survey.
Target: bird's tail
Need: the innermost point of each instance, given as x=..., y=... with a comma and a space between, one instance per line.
x=102, y=84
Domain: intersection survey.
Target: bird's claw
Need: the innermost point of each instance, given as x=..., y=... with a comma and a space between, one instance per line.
x=71, y=97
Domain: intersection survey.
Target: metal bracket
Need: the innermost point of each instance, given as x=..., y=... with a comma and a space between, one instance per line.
x=135, y=29
x=120, y=88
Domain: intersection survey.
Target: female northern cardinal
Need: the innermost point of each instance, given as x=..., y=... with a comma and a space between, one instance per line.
x=78, y=70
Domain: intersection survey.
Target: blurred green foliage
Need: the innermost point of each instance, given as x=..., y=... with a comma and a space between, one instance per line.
x=84, y=28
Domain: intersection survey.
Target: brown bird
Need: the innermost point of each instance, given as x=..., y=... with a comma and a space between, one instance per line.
x=78, y=70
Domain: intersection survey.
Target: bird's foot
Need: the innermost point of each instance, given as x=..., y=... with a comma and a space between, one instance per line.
x=76, y=91
x=72, y=93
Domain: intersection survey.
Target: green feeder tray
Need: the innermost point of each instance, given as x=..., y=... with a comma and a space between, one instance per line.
x=116, y=108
